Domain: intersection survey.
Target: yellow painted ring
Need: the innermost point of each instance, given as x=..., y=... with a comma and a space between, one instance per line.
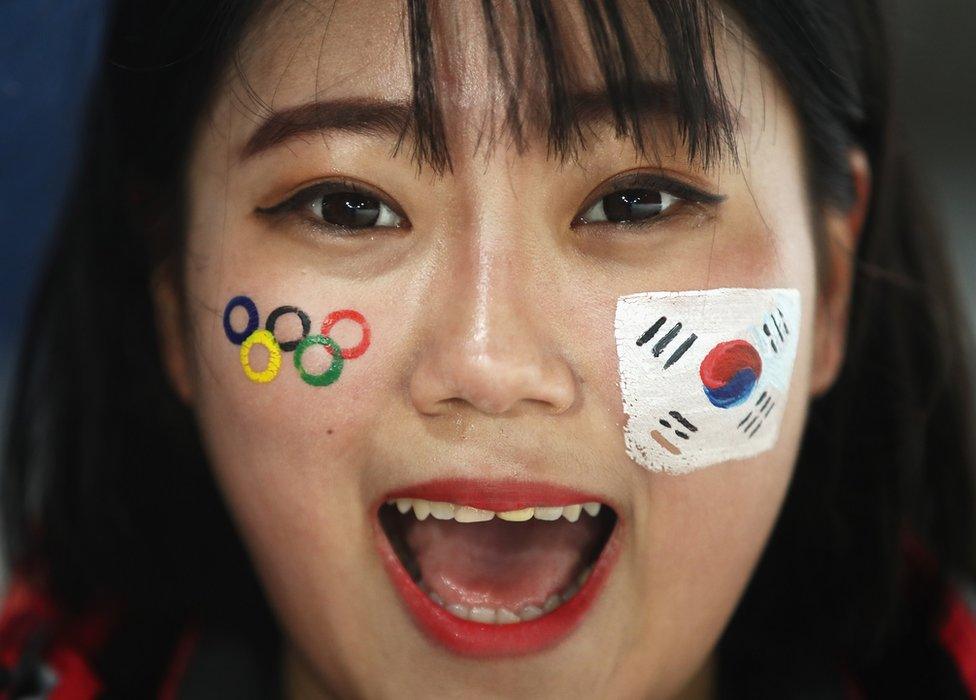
x=266, y=338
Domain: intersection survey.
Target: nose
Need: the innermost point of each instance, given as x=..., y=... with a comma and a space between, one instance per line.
x=491, y=347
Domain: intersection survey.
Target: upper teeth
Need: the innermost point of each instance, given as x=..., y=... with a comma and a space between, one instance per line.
x=441, y=510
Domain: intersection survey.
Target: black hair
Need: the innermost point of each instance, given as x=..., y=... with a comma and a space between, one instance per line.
x=96, y=435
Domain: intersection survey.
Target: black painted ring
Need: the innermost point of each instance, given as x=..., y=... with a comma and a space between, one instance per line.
x=273, y=317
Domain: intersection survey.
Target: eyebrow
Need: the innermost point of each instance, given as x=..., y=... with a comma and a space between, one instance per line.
x=368, y=117
x=389, y=118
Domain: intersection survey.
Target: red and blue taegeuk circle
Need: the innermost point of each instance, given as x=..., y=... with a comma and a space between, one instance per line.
x=729, y=372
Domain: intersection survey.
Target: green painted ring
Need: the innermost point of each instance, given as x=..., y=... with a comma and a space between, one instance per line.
x=328, y=376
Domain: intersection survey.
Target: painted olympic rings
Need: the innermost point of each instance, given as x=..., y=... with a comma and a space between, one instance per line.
x=266, y=339
x=273, y=317
x=252, y=319
x=253, y=335
x=335, y=368
x=344, y=314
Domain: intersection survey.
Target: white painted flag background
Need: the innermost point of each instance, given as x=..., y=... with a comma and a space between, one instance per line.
x=704, y=375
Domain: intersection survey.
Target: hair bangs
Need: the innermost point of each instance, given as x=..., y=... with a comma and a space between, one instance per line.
x=535, y=60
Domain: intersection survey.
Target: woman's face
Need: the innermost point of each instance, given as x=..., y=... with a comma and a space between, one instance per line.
x=489, y=377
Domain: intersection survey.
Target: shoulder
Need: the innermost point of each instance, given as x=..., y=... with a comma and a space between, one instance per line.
x=957, y=632
x=45, y=652
x=41, y=655
x=935, y=656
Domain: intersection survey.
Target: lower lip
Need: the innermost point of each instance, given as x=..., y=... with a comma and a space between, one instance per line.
x=476, y=639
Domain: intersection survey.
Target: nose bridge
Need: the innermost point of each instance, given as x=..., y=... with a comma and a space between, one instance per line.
x=489, y=350
x=497, y=279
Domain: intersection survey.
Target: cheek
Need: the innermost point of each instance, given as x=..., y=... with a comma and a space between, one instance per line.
x=705, y=532
x=697, y=538
x=287, y=455
x=711, y=524
x=705, y=375
x=281, y=416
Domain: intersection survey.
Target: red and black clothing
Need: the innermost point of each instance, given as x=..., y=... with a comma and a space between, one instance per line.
x=44, y=654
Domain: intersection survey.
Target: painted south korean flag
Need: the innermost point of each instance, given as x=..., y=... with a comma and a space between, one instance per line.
x=704, y=375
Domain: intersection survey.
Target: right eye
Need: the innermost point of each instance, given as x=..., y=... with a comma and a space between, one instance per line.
x=341, y=207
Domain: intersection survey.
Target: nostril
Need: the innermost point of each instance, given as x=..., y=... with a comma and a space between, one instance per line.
x=494, y=386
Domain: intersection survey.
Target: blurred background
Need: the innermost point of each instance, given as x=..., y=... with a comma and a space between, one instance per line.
x=49, y=50
x=937, y=95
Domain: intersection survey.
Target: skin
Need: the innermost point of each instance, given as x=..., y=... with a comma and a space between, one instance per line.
x=492, y=356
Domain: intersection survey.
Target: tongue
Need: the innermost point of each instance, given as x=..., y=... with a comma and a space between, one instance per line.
x=500, y=564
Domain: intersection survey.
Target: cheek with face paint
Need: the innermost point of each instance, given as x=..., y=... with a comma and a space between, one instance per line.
x=252, y=336
x=704, y=375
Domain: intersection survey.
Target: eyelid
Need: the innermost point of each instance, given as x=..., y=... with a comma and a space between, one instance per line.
x=649, y=181
x=305, y=195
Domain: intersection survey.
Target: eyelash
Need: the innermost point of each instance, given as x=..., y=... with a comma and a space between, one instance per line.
x=301, y=201
x=651, y=182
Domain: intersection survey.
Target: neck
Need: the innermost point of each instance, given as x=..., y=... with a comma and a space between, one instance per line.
x=702, y=684
x=299, y=681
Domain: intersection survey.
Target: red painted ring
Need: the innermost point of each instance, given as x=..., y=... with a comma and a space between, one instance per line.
x=349, y=315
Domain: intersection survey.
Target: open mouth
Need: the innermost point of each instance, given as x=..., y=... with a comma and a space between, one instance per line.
x=497, y=567
x=520, y=569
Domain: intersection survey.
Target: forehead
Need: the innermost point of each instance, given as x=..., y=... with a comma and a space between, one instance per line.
x=297, y=51
x=358, y=45
x=485, y=59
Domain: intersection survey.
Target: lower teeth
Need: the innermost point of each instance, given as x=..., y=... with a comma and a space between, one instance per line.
x=503, y=616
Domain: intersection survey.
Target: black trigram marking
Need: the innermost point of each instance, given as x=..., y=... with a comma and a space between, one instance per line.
x=751, y=423
x=665, y=340
x=685, y=423
x=679, y=433
x=681, y=350
x=782, y=320
x=760, y=412
x=779, y=325
x=652, y=331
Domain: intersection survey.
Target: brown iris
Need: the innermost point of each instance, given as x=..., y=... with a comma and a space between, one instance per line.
x=349, y=210
x=632, y=205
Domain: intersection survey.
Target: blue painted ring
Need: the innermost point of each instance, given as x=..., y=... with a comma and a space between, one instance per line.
x=252, y=319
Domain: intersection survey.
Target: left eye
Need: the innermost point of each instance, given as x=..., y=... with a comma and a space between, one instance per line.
x=627, y=206
x=353, y=210
x=340, y=208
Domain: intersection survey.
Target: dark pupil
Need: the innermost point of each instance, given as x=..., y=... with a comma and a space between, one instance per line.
x=350, y=210
x=632, y=205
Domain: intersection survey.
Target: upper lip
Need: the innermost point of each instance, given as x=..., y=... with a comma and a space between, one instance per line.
x=497, y=495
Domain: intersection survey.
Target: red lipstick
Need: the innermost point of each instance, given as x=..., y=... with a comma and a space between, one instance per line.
x=485, y=640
